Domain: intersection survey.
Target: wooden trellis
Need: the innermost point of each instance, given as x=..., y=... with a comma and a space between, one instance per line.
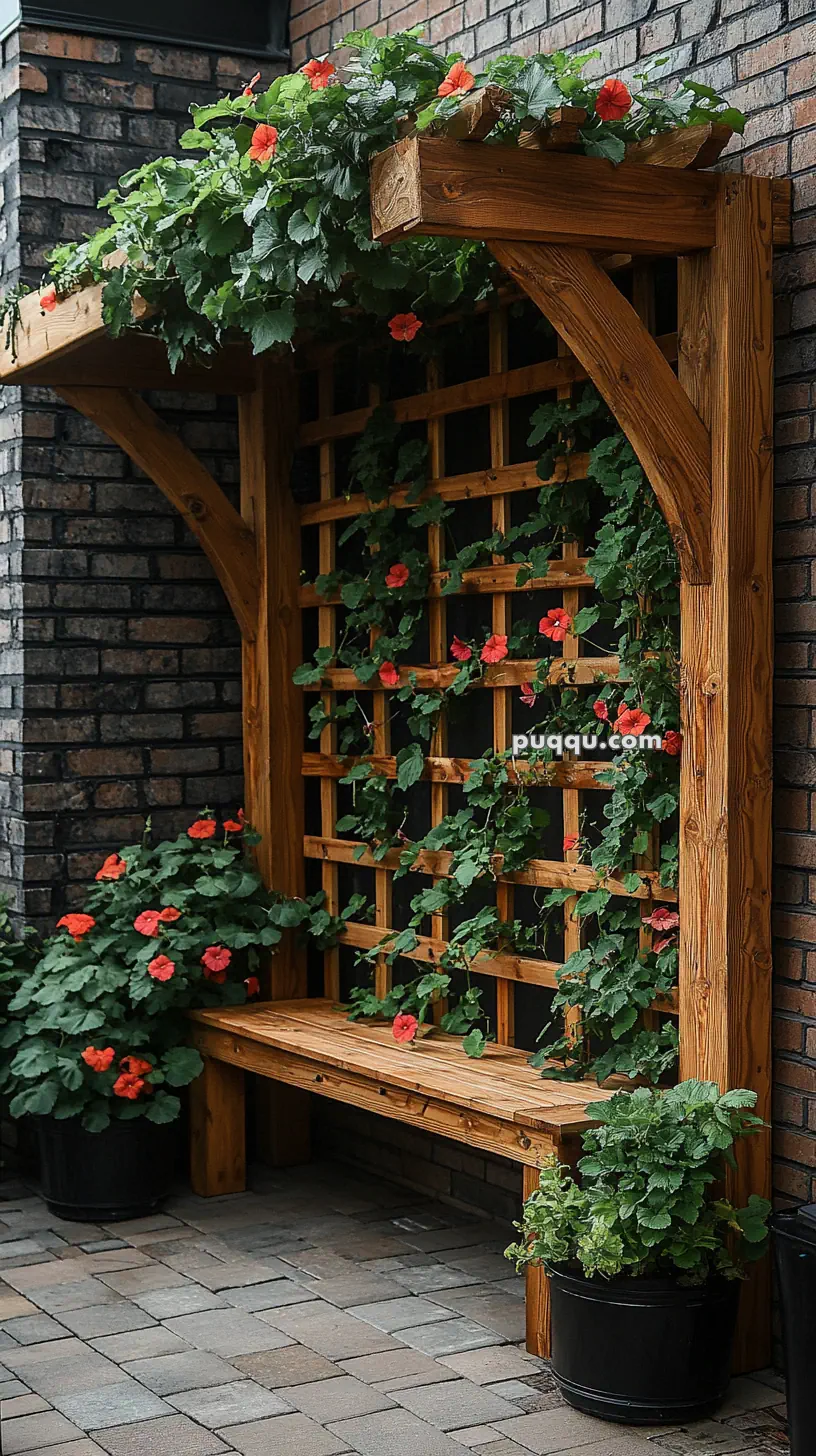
x=703, y=436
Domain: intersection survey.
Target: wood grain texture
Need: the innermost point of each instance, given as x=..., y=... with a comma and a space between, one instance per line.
x=225, y=538
x=139, y=361
x=484, y=581
x=537, y=1289
x=217, y=1131
x=502, y=675
x=629, y=370
x=694, y=147
x=41, y=336
x=557, y=132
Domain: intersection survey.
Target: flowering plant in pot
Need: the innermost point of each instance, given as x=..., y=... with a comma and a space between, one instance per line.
x=645, y=1255
x=96, y=1031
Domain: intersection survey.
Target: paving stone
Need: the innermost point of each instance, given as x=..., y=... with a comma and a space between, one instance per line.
x=337, y=1399
x=106, y=1319
x=394, y=1365
x=33, y=1329
x=100, y=1246
x=82, y=1447
x=230, y=1405
x=403, y=1313
x=270, y=1295
x=448, y=1337
x=330, y=1331
x=244, y=1271
x=174, y=1434
x=458, y=1236
x=474, y=1437
x=142, y=1281
x=30, y=1432
x=149, y=1224
x=293, y=1365
x=429, y=1277
x=702, y=1438
x=499, y=1312
x=319, y=1264
x=188, y=1370
x=514, y=1390
x=18, y=1248
x=560, y=1430
x=502, y=1448
x=22, y=1405
x=492, y=1363
x=9, y=1389
x=233, y=1332
x=293, y=1435
x=112, y=1405
x=482, y=1267
x=62, y=1367
x=455, y=1404
x=355, y=1289
x=169, y=1303
x=140, y=1344
x=743, y=1394
x=12, y=1305
x=84, y=1294
x=395, y=1433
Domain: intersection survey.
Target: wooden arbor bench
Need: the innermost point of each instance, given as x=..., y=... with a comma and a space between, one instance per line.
x=497, y=1104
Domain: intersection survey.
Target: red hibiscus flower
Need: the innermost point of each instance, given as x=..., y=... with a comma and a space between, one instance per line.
x=169, y=914
x=202, y=829
x=388, y=675
x=215, y=960
x=161, y=968
x=570, y=842
x=250, y=86
x=76, y=925
x=460, y=650
x=458, y=80
x=136, y=1066
x=48, y=299
x=673, y=743
x=527, y=695
x=112, y=869
x=404, y=327
x=397, y=576
x=98, y=1058
x=663, y=919
x=147, y=922
x=495, y=648
x=128, y=1085
x=600, y=710
x=253, y=985
x=631, y=721
x=264, y=143
x=233, y=826
x=319, y=73
x=404, y=1027
x=613, y=101
x=556, y=624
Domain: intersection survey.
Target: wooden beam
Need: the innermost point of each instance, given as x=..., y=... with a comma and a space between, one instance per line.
x=583, y=670
x=559, y=774
x=217, y=1130
x=483, y=581
x=139, y=361
x=557, y=132
x=429, y=185
x=43, y=336
x=477, y=115
x=620, y=356
x=694, y=147
x=180, y=476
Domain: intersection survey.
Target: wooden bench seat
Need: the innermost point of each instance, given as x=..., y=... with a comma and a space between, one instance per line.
x=498, y=1103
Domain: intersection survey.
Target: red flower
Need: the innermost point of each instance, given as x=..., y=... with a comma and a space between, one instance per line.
x=673, y=743
x=241, y=817
x=631, y=721
x=600, y=710
x=663, y=919
x=169, y=914
x=495, y=648
x=404, y=1027
x=215, y=960
x=128, y=1085
x=264, y=142
x=161, y=968
x=318, y=73
x=404, y=327
x=77, y=925
x=147, y=922
x=663, y=944
x=458, y=80
x=98, y=1058
x=48, y=299
x=556, y=624
x=202, y=829
x=613, y=101
x=527, y=695
x=397, y=576
x=250, y=86
x=233, y=826
x=570, y=842
x=112, y=869
x=253, y=985
x=136, y=1066
x=460, y=650
x=388, y=675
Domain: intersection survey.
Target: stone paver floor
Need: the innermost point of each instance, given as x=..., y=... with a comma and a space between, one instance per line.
x=323, y=1312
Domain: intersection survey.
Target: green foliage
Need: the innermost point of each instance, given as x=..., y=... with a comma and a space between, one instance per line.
x=648, y=1203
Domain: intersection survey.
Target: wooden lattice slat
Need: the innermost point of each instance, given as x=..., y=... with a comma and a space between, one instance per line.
x=327, y=633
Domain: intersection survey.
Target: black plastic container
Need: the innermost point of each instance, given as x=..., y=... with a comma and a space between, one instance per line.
x=98, y=1177
x=794, y=1241
x=643, y=1351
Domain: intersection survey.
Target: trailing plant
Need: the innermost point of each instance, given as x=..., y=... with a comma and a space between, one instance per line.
x=649, y=1202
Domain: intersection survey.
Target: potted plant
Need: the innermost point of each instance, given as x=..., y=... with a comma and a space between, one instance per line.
x=95, y=1033
x=645, y=1255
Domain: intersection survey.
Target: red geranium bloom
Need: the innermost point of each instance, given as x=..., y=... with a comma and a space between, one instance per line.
x=215, y=960
x=458, y=80
x=128, y=1085
x=495, y=648
x=397, y=576
x=388, y=675
x=613, y=101
x=77, y=925
x=600, y=710
x=253, y=985
x=631, y=721
x=112, y=869
x=136, y=1066
x=48, y=299
x=161, y=968
x=556, y=624
x=673, y=743
x=202, y=829
x=264, y=142
x=404, y=327
x=147, y=922
x=570, y=842
x=98, y=1058
x=404, y=1027
x=233, y=826
x=663, y=944
x=663, y=919
x=318, y=73
x=169, y=914
x=527, y=695
x=250, y=86
x=460, y=650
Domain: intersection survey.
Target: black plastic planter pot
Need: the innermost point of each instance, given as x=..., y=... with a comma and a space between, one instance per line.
x=98, y=1177
x=644, y=1351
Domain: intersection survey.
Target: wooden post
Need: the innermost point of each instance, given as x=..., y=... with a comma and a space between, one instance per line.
x=273, y=713
x=537, y=1296
x=217, y=1130
x=726, y=364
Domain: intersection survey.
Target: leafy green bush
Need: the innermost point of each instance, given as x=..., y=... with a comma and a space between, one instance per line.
x=648, y=1202
x=97, y=1027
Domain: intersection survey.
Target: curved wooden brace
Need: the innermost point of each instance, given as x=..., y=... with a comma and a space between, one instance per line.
x=226, y=539
x=622, y=359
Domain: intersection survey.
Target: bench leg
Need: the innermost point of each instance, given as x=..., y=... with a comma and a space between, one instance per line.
x=217, y=1130
x=537, y=1299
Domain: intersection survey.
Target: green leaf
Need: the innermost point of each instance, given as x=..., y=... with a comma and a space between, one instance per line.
x=474, y=1043
x=275, y=327
x=181, y=1065
x=410, y=765
x=220, y=235
x=195, y=139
